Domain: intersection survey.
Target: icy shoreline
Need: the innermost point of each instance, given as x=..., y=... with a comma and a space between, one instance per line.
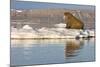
x=59, y=31
x=28, y=32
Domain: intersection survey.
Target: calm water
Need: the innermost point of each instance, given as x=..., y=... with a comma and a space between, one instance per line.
x=45, y=51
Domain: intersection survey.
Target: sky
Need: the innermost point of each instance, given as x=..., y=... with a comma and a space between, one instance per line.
x=37, y=5
x=89, y=2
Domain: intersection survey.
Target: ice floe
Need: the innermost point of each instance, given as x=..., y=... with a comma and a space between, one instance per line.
x=59, y=32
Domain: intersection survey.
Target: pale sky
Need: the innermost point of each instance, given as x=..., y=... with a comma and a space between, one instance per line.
x=84, y=2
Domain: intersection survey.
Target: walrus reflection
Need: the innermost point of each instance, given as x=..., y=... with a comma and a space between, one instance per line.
x=72, y=47
x=72, y=22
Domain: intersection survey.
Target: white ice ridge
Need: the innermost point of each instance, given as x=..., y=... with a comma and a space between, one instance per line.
x=59, y=32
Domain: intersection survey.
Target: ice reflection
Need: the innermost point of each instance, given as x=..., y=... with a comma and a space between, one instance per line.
x=36, y=42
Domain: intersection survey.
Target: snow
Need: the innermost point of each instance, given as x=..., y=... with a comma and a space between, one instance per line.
x=59, y=32
x=60, y=25
x=26, y=27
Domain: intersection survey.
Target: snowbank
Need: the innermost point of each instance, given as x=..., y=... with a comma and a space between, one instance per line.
x=60, y=25
x=60, y=32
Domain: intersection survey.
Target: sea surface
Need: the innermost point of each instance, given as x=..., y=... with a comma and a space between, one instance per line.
x=51, y=51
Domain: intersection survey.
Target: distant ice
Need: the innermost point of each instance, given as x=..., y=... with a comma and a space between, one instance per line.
x=19, y=11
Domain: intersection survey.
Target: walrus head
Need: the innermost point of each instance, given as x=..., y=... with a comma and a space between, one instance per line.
x=66, y=15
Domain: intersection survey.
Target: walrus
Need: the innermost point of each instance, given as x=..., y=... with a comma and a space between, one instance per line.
x=72, y=22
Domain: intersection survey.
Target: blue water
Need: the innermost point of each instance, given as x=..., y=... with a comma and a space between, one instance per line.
x=47, y=51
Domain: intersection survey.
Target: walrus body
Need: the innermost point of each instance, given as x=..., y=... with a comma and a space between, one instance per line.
x=72, y=22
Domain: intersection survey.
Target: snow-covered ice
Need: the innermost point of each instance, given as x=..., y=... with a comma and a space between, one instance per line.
x=59, y=32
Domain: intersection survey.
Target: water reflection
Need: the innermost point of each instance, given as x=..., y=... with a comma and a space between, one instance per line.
x=72, y=47
x=45, y=51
